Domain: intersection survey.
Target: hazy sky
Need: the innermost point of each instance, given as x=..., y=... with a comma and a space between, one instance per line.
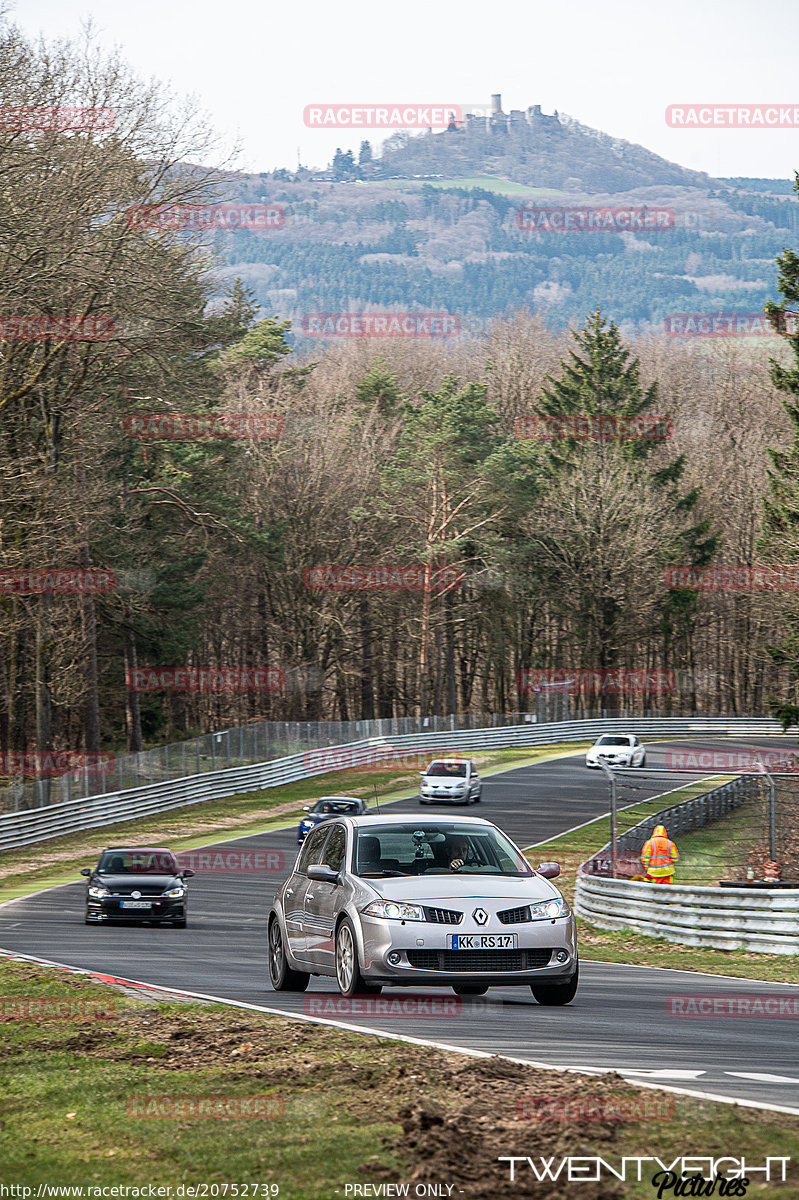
x=613, y=64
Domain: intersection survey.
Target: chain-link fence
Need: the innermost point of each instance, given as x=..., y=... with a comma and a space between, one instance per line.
x=732, y=833
x=258, y=742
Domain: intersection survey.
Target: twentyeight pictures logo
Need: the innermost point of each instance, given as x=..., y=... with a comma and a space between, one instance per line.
x=381, y=116
x=382, y=324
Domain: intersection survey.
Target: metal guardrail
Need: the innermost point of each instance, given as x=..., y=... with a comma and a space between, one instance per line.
x=54, y=820
x=763, y=920
x=766, y=920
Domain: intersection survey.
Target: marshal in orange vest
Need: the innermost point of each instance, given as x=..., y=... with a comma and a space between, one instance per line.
x=659, y=856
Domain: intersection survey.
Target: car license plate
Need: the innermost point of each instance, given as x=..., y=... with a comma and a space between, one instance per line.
x=483, y=941
x=136, y=904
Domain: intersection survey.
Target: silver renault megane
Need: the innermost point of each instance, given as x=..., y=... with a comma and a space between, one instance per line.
x=400, y=901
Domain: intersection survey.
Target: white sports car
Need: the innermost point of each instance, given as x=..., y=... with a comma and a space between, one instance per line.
x=617, y=750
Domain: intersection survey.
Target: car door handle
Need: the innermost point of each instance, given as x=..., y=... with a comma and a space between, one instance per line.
x=309, y=895
x=289, y=891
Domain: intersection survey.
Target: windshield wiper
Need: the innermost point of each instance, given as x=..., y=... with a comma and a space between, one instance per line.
x=380, y=874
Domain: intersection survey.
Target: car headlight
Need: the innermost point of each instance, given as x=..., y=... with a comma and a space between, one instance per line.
x=97, y=891
x=394, y=910
x=549, y=908
x=175, y=892
x=305, y=823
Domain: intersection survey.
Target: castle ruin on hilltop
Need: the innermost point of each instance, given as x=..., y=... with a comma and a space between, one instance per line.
x=497, y=121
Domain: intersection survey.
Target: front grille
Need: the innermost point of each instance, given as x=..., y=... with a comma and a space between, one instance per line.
x=478, y=960
x=515, y=916
x=443, y=916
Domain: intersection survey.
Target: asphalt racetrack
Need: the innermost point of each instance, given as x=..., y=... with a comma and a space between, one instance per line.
x=619, y=1019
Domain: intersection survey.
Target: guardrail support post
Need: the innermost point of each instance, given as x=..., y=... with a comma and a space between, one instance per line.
x=613, y=824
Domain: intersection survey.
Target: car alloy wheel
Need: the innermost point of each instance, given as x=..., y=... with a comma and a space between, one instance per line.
x=348, y=972
x=281, y=975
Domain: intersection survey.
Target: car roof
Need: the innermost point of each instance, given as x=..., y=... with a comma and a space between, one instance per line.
x=319, y=800
x=414, y=819
x=139, y=849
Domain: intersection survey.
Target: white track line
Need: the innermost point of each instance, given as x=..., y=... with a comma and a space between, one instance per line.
x=398, y=1037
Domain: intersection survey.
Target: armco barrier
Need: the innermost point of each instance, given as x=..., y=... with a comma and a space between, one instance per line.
x=761, y=920
x=723, y=918
x=53, y=820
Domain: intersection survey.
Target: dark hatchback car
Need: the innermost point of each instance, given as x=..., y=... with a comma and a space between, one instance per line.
x=326, y=808
x=139, y=883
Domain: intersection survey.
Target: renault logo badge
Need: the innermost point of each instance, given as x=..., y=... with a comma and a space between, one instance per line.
x=480, y=915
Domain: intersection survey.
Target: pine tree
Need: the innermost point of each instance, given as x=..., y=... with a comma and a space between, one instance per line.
x=781, y=516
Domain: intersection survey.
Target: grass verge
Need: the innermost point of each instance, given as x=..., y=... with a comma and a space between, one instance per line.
x=629, y=946
x=348, y=1109
x=25, y=870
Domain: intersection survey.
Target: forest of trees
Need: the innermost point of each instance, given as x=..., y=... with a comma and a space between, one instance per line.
x=381, y=454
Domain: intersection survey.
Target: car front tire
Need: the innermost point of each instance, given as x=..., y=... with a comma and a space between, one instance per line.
x=282, y=977
x=348, y=970
x=558, y=993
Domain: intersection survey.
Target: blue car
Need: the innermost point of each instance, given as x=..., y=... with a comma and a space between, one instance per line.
x=327, y=807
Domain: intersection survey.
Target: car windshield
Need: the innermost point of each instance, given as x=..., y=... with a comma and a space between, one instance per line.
x=613, y=741
x=335, y=806
x=130, y=862
x=447, y=769
x=443, y=849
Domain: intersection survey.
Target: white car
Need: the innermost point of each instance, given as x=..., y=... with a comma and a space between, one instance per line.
x=617, y=750
x=450, y=781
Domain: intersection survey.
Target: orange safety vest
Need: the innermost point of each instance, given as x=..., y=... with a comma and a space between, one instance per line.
x=659, y=856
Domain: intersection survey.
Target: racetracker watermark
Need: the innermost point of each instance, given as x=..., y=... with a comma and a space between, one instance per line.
x=202, y=218
x=382, y=324
x=222, y=1108
x=67, y=582
x=411, y=578
x=205, y=679
x=733, y=116
x=579, y=1109
x=55, y=120
x=333, y=1005
x=54, y=1008
x=733, y=762
x=600, y=679
x=44, y=763
x=378, y=758
x=183, y=427
x=735, y=1005
x=572, y=219
x=231, y=862
x=741, y=578
x=381, y=116
x=597, y=428
x=730, y=324
x=56, y=329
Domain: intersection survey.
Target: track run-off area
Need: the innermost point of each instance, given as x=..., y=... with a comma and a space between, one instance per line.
x=620, y=1019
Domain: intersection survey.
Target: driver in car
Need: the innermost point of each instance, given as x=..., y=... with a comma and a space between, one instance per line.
x=457, y=851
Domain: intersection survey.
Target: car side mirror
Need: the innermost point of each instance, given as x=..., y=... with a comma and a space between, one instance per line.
x=306, y=808
x=322, y=873
x=187, y=872
x=86, y=871
x=550, y=870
